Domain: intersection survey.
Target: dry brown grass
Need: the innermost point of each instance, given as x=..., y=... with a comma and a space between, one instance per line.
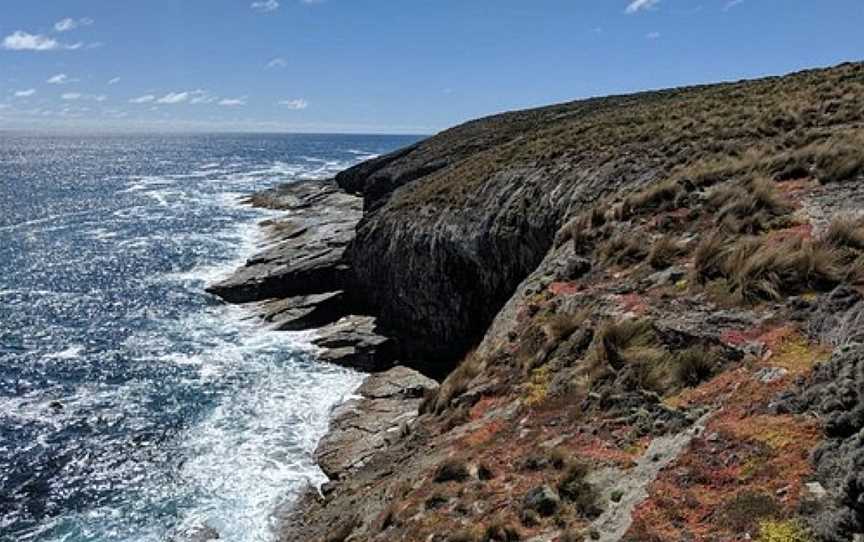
x=624, y=248
x=453, y=386
x=758, y=268
x=846, y=232
x=750, y=207
x=664, y=251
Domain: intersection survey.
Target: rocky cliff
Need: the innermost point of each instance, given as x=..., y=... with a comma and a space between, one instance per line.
x=646, y=311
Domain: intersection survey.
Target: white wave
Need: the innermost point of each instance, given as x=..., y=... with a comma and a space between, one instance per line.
x=71, y=352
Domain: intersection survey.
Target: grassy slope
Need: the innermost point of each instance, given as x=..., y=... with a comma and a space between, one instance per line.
x=597, y=364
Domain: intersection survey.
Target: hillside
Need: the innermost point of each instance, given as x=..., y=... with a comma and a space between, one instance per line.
x=648, y=312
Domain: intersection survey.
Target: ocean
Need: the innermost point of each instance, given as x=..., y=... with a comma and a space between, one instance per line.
x=134, y=406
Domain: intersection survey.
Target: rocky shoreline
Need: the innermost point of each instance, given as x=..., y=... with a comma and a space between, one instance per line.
x=626, y=301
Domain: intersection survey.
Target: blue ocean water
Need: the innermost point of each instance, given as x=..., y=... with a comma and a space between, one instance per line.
x=133, y=406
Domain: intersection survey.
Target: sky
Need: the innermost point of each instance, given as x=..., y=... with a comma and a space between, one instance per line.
x=382, y=66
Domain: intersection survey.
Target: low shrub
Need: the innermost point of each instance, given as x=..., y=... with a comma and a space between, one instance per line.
x=575, y=489
x=451, y=470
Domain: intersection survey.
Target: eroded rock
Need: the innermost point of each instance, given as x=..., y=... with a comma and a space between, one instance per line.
x=383, y=407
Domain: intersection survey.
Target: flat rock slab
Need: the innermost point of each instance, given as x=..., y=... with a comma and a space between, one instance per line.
x=353, y=341
x=385, y=403
x=305, y=253
x=303, y=312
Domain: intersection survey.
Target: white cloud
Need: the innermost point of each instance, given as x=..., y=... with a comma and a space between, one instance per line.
x=653, y=35
x=114, y=81
x=71, y=96
x=640, y=5
x=174, y=98
x=61, y=79
x=232, y=102
x=64, y=25
x=298, y=103
x=22, y=41
x=731, y=4
x=25, y=93
x=147, y=98
x=277, y=62
x=265, y=6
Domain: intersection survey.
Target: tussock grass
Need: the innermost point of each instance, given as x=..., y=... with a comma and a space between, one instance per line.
x=438, y=400
x=632, y=354
x=761, y=269
x=664, y=251
x=624, y=248
x=748, y=207
x=846, y=232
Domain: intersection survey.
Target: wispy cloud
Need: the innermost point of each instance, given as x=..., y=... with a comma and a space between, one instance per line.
x=731, y=4
x=146, y=99
x=277, y=62
x=114, y=81
x=71, y=96
x=640, y=5
x=67, y=24
x=653, y=35
x=60, y=79
x=232, y=102
x=174, y=98
x=201, y=97
x=25, y=93
x=265, y=6
x=298, y=103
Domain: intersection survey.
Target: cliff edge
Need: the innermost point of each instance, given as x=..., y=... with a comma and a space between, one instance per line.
x=646, y=312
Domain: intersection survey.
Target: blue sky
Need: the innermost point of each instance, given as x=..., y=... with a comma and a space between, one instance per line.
x=393, y=66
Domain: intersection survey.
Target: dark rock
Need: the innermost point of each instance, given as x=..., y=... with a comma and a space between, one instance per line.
x=361, y=427
x=836, y=392
x=354, y=342
x=304, y=312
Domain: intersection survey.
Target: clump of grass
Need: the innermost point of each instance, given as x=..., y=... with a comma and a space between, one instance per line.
x=748, y=207
x=451, y=470
x=710, y=256
x=664, y=251
x=846, y=232
x=656, y=197
x=574, y=488
x=839, y=162
x=453, y=386
x=583, y=229
x=761, y=270
x=758, y=268
x=632, y=353
x=694, y=366
x=624, y=248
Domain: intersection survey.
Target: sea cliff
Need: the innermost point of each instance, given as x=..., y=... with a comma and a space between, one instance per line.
x=644, y=313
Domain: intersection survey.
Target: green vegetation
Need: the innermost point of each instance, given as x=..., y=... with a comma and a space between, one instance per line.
x=783, y=531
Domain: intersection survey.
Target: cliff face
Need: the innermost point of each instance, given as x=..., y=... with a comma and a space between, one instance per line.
x=648, y=308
